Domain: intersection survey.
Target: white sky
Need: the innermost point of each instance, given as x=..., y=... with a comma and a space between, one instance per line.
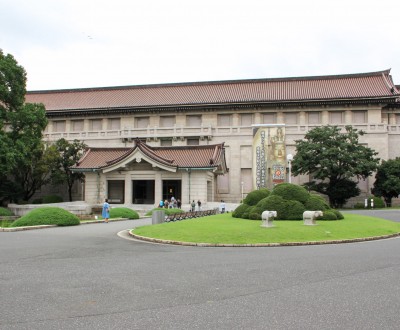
x=93, y=43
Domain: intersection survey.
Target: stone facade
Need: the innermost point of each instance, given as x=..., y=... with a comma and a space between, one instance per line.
x=227, y=122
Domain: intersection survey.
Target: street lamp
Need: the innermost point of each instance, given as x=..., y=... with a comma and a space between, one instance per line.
x=242, y=191
x=289, y=159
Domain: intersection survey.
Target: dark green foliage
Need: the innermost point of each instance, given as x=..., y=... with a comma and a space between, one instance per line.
x=123, y=212
x=294, y=210
x=47, y=216
x=5, y=212
x=37, y=201
x=291, y=191
x=359, y=206
x=68, y=154
x=255, y=213
x=338, y=214
x=328, y=215
x=167, y=211
x=274, y=203
x=238, y=212
x=378, y=202
x=246, y=213
x=52, y=199
x=255, y=196
x=334, y=158
x=387, y=180
x=316, y=203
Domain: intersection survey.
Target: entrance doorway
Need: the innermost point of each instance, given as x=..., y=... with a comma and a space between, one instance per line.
x=172, y=188
x=143, y=191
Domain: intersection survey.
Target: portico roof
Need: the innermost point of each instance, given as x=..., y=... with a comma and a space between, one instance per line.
x=211, y=157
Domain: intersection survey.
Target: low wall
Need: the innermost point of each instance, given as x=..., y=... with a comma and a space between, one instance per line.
x=78, y=208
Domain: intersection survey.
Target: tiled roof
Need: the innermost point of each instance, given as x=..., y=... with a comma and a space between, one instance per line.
x=202, y=156
x=322, y=88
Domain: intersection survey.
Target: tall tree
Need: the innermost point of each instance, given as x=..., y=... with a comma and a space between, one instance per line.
x=69, y=155
x=335, y=160
x=387, y=183
x=21, y=127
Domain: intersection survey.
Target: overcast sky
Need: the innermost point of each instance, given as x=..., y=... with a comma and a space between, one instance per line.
x=94, y=43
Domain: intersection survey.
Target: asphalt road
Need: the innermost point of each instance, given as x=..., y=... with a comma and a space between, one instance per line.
x=88, y=277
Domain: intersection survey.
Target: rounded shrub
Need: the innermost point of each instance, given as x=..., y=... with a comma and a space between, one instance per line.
x=246, y=213
x=255, y=196
x=238, y=212
x=378, y=202
x=338, y=214
x=47, y=216
x=294, y=210
x=255, y=213
x=52, y=199
x=328, y=215
x=290, y=191
x=123, y=212
x=316, y=203
x=274, y=203
x=4, y=212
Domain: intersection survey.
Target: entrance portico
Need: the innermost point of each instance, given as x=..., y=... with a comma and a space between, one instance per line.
x=146, y=175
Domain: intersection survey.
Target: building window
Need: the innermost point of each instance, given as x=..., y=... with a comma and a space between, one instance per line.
x=95, y=124
x=224, y=120
x=291, y=118
x=114, y=123
x=77, y=125
x=166, y=143
x=336, y=117
x=360, y=117
x=142, y=122
x=193, y=120
x=269, y=118
x=167, y=121
x=246, y=119
x=193, y=142
x=59, y=126
x=116, y=191
x=314, y=118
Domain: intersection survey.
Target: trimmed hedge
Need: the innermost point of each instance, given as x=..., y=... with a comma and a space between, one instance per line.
x=316, y=203
x=288, y=200
x=255, y=196
x=47, y=216
x=167, y=211
x=290, y=191
x=123, y=212
x=238, y=212
x=4, y=212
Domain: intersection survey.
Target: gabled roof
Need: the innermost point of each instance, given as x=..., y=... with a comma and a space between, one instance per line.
x=173, y=158
x=373, y=85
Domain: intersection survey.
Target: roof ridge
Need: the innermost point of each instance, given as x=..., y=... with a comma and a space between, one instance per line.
x=216, y=82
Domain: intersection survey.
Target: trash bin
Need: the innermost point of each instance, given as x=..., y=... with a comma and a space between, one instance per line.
x=157, y=217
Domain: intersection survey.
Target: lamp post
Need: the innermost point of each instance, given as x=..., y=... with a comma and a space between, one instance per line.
x=242, y=190
x=289, y=159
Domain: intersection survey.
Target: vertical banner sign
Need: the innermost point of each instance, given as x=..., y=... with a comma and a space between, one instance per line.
x=269, y=155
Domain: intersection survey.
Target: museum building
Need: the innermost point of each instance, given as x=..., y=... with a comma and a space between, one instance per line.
x=213, y=140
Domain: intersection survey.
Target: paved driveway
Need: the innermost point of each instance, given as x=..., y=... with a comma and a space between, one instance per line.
x=87, y=277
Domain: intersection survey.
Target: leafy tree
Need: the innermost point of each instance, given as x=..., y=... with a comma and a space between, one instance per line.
x=21, y=127
x=387, y=183
x=69, y=155
x=334, y=159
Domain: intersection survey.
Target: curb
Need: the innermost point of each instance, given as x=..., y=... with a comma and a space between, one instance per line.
x=12, y=229
x=353, y=240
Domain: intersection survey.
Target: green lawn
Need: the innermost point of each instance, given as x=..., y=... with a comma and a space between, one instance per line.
x=223, y=229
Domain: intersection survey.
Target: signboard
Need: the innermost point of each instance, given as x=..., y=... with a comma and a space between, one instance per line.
x=269, y=155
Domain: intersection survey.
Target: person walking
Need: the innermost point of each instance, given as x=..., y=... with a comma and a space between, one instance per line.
x=199, y=205
x=222, y=206
x=106, y=211
x=193, y=205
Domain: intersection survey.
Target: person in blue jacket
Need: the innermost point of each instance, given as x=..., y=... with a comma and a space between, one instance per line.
x=106, y=211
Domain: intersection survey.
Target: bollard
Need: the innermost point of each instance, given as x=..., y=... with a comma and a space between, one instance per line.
x=157, y=217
